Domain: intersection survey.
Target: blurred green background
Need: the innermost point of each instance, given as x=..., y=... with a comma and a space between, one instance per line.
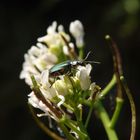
x=22, y=22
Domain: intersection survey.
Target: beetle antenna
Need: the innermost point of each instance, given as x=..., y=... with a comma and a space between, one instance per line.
x=87, y=56
x=95, y=62
x=84, y=60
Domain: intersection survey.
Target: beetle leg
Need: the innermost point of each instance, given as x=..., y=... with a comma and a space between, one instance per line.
x=54, y=79
x=74, y=70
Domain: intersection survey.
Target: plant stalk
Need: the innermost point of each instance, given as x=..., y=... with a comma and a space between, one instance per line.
x=105, y=120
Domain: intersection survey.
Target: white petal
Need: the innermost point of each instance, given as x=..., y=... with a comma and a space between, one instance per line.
x=42, y=39
x=77, y=30
x=71, y=45
x=65, y=50
x=45, y=77
x=83, y=76
x=34, y=51
x=84, y=80
x=62, y=100
x=52, y=28
x=60, y=28
x=88, y=68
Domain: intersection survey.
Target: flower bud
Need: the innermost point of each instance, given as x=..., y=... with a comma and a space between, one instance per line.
x=83, y=76
x=77, y=30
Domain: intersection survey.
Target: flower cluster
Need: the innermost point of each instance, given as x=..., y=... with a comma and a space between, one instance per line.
x=68, y=92
x=52, y=48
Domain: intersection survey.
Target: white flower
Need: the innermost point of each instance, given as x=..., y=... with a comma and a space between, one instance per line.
x=63, y=86
x=52, y=28
x=53, y=93
x=59, y=89
x=54, y=50
x=37, y=59
x=53, y=37
x=83, y=75
x=66, y=49
x=64, y=90
x=47, y=90
x=36, y=103
x=63, y=97
x=77, y=30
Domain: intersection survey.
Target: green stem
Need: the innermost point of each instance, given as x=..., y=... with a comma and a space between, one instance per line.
x=81, y=135
x=111, y=84
x=89, y=115
x=114, y=119
x=105, y=120
x=66, y=132
x=81, y=52
x=68, y=107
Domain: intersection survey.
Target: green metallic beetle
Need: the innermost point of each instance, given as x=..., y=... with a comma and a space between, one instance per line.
x=67, y=66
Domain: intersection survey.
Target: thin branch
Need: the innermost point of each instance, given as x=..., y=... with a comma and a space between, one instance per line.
x=73, y=54
x=118, y=73
x=122, y=83
x=133, y=109
x=117, y=64
x=89, y=115
x=42, y=125
x=39, y=95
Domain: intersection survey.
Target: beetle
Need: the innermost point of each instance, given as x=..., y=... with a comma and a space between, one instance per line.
x=67, y=66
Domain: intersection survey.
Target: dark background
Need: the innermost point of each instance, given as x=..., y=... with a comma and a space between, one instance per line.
x=23, y=21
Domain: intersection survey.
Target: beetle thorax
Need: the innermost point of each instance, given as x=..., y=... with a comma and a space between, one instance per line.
x=74, y=63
